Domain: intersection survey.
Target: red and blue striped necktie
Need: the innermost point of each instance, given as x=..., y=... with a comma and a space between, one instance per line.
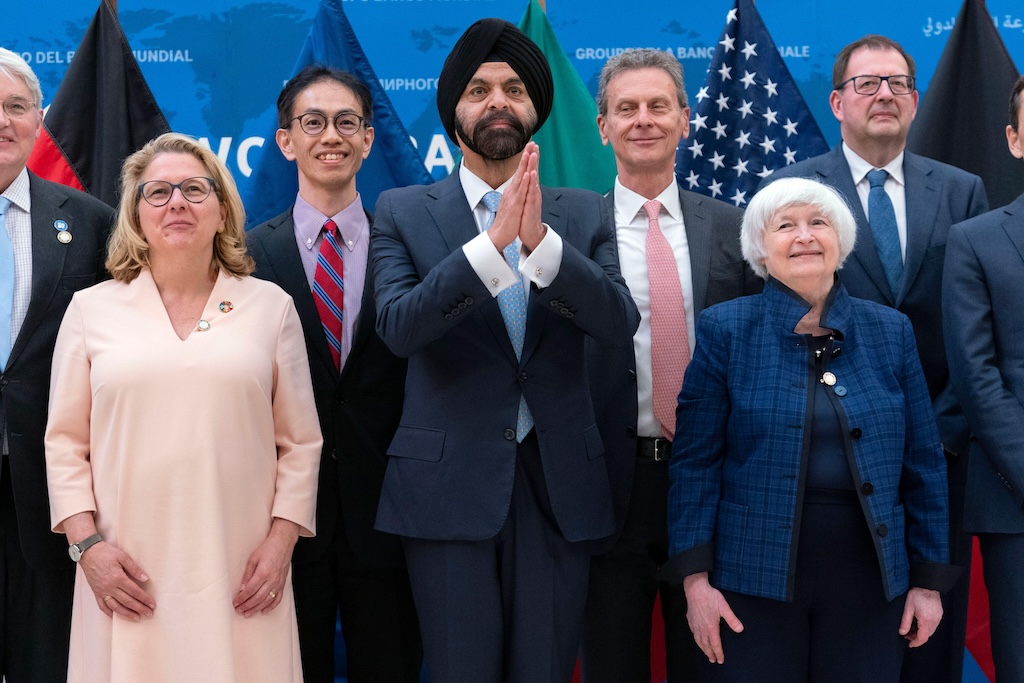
x=329, y=288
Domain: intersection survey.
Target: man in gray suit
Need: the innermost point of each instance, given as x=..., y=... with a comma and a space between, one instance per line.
x=904, y=205
x=52, y=243
x=982, y=303
x=643, y=116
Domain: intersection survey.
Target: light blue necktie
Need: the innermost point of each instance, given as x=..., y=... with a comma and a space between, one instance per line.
x=512, y=302
x=6, y=285
x=882, y=218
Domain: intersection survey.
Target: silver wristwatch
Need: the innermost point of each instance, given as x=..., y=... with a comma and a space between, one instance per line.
x=76, y=550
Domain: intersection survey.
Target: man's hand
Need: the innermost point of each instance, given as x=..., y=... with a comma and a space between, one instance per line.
x=531, y=230
x=509, y=218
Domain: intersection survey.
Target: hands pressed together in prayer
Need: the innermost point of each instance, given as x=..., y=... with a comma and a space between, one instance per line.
x=520, y=210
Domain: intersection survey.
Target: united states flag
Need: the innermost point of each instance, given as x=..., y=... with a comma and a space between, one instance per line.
x=749, y=119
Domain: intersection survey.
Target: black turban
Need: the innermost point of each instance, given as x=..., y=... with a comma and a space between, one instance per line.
x=493, y=40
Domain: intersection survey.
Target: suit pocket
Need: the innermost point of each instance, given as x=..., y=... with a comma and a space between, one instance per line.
x=418, y=443
x=592, y=440
x=73, y=283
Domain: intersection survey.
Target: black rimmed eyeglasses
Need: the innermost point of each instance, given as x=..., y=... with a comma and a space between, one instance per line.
x=869, y=85
x=314, y=122
x=194, y=190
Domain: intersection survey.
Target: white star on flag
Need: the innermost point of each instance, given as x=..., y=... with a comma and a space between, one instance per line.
x=743, y=113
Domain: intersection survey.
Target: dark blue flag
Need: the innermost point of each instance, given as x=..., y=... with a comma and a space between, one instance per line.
x=749, y=119
x=393, y=162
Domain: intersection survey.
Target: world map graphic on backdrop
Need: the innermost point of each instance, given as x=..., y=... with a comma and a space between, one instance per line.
x=216, y=66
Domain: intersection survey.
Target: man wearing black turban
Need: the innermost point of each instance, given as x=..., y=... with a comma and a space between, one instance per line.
x=496, y=479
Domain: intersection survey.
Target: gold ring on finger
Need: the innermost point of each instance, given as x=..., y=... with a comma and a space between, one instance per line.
x=106, y=597
x=273, y=595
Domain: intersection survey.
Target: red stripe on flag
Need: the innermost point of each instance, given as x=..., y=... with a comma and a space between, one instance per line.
x=47, y=161
x=979, y=636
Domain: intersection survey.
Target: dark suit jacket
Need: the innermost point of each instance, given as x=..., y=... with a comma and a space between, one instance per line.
x=359, y=410
x=58, y=271
x=984, y=323
x=452, y=461
x=738, y=476
x=938, y=195
x=718, y=273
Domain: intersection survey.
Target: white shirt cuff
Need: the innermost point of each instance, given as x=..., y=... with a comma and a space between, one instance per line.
x=488, y=264
x=541, y=266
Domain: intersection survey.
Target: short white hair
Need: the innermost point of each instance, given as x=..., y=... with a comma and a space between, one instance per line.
x=13, y=66
x=786, y=192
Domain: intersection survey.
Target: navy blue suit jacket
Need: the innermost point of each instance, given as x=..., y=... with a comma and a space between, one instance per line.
x=718, y=273
x=938, y=195
x=359, y=409
x=58, y=271
x=984, y=321
x=738, y=468
x=452, y=461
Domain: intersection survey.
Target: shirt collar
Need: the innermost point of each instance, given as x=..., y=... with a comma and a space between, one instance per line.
x=628, y=203
x=18, y=192
x=351, y=221
x=859, y=167
x=475, y=188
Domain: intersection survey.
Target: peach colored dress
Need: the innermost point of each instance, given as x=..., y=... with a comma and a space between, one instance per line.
x=185, y=450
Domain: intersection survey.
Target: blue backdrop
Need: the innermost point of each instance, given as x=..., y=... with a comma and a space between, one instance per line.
x=216, y=66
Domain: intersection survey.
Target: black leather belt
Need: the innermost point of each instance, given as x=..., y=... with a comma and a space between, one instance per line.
x=656, y=449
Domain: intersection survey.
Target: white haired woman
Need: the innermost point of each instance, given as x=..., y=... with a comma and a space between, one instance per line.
x=807, y=507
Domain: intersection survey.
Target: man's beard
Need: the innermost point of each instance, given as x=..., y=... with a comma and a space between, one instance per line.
x=498, y=144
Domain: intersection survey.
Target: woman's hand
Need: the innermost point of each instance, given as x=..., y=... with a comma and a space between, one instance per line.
x=705, y=609
x=112, y=574
x=267, y=570
x=926, y=607
x=114, y=578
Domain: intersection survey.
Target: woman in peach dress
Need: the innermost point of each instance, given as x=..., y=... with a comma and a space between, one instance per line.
x=183, y=447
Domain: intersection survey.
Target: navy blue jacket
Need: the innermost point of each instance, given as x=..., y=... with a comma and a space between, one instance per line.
x=739, y=466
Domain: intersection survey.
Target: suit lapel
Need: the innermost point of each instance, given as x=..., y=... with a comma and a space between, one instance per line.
x=698, y=240
x=836, y=172
x=366, y=321
x=921, y=194
x=1013, y=223
x=48, y=255
x=454, y=220
x=282, y=254
x=555, y=214
x=452, y=214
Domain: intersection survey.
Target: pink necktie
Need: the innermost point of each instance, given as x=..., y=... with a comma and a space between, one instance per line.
x=329, y=288
x=670, y=344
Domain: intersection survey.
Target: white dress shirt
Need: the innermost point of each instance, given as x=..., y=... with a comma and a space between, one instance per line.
x=631, y=235
x=895, y=187
x=19, y=227
x=540, y=267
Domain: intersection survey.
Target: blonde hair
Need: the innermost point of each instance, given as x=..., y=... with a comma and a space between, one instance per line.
x=128, y=251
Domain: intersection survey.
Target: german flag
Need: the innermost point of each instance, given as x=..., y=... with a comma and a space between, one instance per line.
x=103, y=111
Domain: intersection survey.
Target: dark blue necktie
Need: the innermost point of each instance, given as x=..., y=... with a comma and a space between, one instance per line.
x=882, y=218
